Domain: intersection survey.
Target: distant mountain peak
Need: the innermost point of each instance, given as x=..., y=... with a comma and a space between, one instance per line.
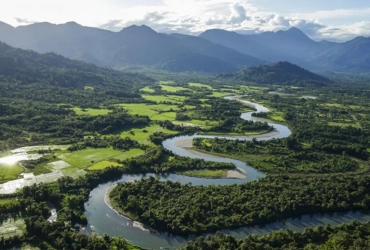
x=139, y=28
x=72, y=23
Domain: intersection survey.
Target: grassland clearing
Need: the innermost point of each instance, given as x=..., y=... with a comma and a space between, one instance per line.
x=84, y=158
x=211, y=174
x=103, y=165
x=11, y=227
x=91, y=112
x=200, y=85
x=142, y=134
x=159, y=112
x=165, y=98
x=9, y=171
x=147, y=89
x=89, y=88
x=173, y=89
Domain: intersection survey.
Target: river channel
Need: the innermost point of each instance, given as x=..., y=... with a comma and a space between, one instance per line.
x=103, y=219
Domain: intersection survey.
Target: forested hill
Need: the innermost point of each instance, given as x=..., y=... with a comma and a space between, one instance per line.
x=282, y=73
x=27, y=67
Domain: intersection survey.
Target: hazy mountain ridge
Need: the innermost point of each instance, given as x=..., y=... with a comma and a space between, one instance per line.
x=282, y=73
x=134, y=45
x=296, y=47
x=27, y=66
x=212, y=51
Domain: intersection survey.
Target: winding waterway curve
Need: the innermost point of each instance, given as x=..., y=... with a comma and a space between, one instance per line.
x=106, y=220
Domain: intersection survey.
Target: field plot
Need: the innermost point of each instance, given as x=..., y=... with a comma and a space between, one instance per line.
x=9, y=171
x=11, y=227
x=147, y=89
x=165, y=98
x=142, y=134
x=126, y=155
x=28, y=180
x=84, y=158
x=103, y=165
x=173, y=89
x=200, y=85
x=91, y=112
x=159, y=112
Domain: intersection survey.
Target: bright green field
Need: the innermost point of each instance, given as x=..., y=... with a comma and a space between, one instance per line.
x=201, y=85
x=86, y=157
x=165, y=98
x=90, y=88
x=166, y=82
x=276, y=116
x=205, y=173
x=148, y=89
x=219, y=94
x=91, y=112
x=172, y=88
x=10, y=227
x=130, y=154
x=7, y=201
x=154, y=111
x=143, y=137
x=344, y=124
x=9, y=172
x=103, y=165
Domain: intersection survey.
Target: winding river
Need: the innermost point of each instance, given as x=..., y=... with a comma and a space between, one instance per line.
x=103, y=219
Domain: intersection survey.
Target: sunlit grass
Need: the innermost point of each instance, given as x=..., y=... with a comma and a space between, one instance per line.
x=92, y=112
x=87, y=157
x=142, y=134
x=148, y=89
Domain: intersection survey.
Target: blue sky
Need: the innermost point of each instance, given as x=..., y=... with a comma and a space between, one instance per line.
x=335, y=20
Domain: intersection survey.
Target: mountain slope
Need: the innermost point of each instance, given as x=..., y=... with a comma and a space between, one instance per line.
x=205, y=47
x=51, y=69
x=294, y=46
x=283, y=73
x=134, y=45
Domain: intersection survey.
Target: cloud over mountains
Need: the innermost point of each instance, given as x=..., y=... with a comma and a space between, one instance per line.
x=196, y=16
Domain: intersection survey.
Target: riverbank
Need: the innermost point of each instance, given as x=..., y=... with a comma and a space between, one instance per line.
x=109, y=204
x=187, y=144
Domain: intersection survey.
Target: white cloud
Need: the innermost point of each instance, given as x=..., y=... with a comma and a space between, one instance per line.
x=191, y=16
x=331, y=14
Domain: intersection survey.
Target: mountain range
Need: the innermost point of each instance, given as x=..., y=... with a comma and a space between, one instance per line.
x=212, y=51
x=281, y=73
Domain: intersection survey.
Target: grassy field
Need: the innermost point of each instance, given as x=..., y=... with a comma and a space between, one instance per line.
x=156, y=112
x=7, y=201
x=220, y=94
x=200, y=85
x=165, y=82
x=73, y=171
x=130, y=154
x=103, y=165
x=141, y=136
x=210, y=174
x=147, y=89
x=87, y=157
x=276, y=116
x=11, y=226
x=89, y=88
x=92, y=112
x=9, y=172
x=172, y=88
x=165, y=98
